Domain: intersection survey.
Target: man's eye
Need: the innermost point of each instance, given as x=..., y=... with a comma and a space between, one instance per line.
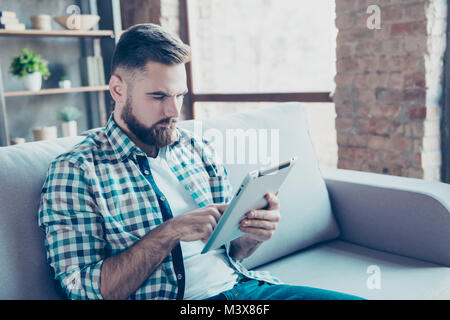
x=159, y=98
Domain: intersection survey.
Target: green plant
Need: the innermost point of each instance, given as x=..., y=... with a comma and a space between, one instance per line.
x=27, y=63
x=68, y=113
x=63, y=79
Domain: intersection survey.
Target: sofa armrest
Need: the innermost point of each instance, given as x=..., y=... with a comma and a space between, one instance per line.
x=406, y=216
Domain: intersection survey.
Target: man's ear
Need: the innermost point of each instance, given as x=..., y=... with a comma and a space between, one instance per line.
x=118, y=89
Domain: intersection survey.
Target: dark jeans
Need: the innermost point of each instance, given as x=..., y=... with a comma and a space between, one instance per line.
x=249, y=289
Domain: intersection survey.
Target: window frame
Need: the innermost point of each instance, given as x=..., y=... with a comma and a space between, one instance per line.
x=193, y=97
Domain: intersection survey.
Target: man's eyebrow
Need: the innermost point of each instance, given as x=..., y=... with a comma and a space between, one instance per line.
x=162, y=93
x=157, y=93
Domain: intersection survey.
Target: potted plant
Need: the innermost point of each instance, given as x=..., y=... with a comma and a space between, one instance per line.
x=68, y=115
x=30, y=67
x=64, y=83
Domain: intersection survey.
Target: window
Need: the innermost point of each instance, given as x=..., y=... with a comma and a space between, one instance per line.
x=246, y=53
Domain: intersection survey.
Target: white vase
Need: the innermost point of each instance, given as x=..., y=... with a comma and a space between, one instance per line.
x=41, y=22
x=65, y=84
x=69, y=128
x=33, y=81
x=45, y=133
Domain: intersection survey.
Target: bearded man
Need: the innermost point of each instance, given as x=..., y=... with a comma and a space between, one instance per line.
x=126, y=211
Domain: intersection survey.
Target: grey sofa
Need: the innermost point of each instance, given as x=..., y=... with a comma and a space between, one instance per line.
x=375, y=236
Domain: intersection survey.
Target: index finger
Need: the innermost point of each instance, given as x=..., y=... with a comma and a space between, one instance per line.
x=273, y=215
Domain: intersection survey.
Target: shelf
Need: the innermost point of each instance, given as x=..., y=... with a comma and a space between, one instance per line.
x=57, y=33
x=55, y=91
x=93, y=44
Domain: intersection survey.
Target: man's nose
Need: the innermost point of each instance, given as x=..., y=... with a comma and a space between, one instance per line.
x=172, y=107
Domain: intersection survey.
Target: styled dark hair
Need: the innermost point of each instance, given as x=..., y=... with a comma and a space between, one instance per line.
x=146, y=42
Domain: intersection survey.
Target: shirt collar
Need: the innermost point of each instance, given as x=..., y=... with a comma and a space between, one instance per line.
x=122, y=146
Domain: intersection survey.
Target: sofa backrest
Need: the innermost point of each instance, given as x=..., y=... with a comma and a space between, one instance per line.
x=24, y=273
x=305, y=207
x=306, y=216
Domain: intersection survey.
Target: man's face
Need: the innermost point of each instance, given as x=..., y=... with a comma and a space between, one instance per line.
x=153, y=103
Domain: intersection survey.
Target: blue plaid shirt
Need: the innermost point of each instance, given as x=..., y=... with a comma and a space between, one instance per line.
x=97, y=201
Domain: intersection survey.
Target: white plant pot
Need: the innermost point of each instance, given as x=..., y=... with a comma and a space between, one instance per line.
x=33, y=81
x=65, y=84
x=45, y=133
x=69, y=128
x=41, y=22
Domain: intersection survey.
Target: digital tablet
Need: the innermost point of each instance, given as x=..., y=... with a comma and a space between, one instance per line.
x=250, y=195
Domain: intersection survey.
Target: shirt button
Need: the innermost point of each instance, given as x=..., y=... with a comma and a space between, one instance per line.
x=162, y=198
x=146, y=172
x=179, y=276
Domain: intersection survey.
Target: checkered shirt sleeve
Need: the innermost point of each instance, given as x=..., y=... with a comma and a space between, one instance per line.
x=73, y=228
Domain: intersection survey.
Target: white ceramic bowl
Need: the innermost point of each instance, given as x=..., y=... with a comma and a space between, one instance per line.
x=82, y=22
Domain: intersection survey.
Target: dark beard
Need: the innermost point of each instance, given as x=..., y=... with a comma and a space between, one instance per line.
x=158, y=137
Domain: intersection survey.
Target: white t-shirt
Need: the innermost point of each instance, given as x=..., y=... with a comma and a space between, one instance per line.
x=207, y=274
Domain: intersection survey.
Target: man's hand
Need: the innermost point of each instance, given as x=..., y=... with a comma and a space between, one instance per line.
x=259, y=226
x=197, y=224
x=124, y=272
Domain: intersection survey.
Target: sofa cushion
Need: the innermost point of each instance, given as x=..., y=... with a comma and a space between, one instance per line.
x=24, y=273
x=306, y=216
x=371, y=274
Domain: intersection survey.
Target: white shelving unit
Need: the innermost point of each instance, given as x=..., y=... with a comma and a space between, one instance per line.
x=96, y=35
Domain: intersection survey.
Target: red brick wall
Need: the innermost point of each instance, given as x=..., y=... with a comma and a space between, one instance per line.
x=165, y=13
x=139, y=11
x=388, y=83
